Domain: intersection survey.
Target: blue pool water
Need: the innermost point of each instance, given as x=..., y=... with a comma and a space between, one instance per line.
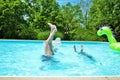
x=24, y=58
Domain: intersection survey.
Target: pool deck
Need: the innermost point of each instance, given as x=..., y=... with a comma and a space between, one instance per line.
x=60, y=78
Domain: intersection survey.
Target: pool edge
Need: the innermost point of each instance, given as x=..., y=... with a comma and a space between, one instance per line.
x=44, y=40
x=61, y=78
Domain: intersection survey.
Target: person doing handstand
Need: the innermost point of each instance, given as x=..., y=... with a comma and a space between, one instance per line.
x=48, y=43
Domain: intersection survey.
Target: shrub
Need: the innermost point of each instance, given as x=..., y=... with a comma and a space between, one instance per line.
x=28, y=33
x=44, y=35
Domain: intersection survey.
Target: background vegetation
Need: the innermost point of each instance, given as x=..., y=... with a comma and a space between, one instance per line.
x=27, y=19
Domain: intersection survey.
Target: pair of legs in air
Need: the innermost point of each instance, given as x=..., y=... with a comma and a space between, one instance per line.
x=48, y=43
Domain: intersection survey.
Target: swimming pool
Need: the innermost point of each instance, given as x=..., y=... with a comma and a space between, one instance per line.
x=24, y=58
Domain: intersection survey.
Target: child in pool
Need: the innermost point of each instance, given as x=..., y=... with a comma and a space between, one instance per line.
x=82, y=52
x=74, y=47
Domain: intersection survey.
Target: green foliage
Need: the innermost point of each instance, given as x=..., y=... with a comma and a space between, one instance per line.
x=59, y=34
x=27, y=19
x=11, y=18
x=84, y=34
x=105, y=12
x=43, y=35
x=71, y=17
x=41, y=12
x=28, y=33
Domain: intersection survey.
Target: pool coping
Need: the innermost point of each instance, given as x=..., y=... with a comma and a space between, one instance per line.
x=44, y=40
x=62, y=78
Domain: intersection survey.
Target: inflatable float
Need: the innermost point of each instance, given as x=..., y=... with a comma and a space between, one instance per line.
x=107, y=31
x=57, y=41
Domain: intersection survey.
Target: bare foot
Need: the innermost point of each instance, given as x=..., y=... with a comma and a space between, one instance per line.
x=52, y=26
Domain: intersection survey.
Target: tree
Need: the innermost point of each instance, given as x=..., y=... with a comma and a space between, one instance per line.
x=40, y=12
x=11, y=18
x=85, y=7
x=71, y=19
x=105, y=12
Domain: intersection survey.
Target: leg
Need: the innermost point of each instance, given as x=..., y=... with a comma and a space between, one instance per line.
x=48, y=43
x=74, y=47
x=81, y=46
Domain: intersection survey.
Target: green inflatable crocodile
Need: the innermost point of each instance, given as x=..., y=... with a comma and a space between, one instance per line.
x=107, y=31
